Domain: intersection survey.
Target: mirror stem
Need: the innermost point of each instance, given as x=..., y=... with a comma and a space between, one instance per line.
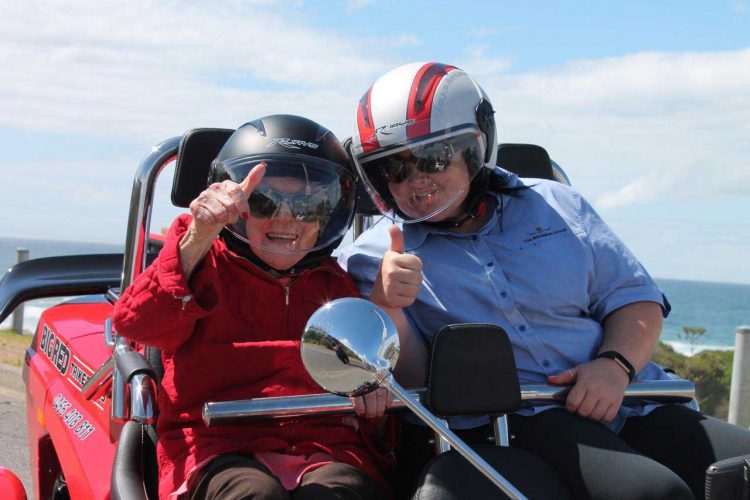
x=445, y=432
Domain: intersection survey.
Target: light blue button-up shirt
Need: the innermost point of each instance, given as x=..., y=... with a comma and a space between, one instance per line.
x=545, y=268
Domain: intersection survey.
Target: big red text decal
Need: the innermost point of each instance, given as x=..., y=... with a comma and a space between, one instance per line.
x=57, y=352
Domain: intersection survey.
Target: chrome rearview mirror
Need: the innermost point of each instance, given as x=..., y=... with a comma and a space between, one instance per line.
x=350, y=347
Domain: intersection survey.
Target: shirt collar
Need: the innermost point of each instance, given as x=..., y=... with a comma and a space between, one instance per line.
x=416, y=234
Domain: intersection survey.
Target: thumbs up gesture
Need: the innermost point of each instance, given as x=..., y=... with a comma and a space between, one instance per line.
x=220, y=204
x=400, y=276
x=223, y=203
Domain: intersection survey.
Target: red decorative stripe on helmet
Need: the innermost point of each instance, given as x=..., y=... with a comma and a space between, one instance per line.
x=420, y=97
x=367, y=135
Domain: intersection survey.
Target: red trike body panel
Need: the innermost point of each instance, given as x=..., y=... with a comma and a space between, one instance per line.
x=66, y=431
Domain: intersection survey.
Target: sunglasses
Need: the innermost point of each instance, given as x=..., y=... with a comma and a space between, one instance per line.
x=264, y=203
x=429, y=159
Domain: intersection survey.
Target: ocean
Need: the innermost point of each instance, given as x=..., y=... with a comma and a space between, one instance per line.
x=43, y=248
x=717, y=307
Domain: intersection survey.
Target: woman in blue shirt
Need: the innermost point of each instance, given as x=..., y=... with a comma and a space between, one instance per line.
x=474, y=243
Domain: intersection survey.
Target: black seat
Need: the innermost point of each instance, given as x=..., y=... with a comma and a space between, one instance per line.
x=449, y=476
x=473, y=372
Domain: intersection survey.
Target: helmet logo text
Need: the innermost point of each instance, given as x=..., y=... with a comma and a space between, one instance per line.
x=291, y=143
x=384, y=129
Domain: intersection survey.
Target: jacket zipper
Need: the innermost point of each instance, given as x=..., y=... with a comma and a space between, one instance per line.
x=184, y=299
x=293, y=423
x=286, y=307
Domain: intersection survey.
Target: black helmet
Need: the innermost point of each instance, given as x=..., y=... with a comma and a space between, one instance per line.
x=309, y=180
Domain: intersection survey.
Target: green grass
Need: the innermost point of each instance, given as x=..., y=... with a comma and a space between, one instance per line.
x=13, y=347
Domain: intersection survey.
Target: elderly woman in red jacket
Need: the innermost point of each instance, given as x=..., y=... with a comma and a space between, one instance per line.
x=226, y=301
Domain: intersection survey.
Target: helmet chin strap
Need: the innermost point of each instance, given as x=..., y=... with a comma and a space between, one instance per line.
x=474, y=205
x=476, y=213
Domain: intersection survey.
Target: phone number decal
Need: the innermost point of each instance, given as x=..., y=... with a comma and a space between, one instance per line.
x=72, y=417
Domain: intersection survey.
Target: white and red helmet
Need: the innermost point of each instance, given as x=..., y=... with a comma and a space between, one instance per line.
x=416, y=107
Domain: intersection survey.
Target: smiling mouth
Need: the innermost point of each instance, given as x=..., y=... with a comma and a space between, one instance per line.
x=425, y=195
x=277, y=237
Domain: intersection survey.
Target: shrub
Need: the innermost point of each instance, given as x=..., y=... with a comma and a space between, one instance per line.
x=710, y=371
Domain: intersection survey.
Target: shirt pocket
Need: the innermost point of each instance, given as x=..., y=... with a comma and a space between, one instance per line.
x=551, y=274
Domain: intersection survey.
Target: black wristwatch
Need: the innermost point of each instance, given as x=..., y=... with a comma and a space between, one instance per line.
x=620, y=360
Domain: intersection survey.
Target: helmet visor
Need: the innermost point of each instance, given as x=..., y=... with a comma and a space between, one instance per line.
x=302, y=204
x=420, y=179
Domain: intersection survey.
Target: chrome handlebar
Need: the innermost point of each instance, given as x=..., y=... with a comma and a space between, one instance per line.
x=233, y=412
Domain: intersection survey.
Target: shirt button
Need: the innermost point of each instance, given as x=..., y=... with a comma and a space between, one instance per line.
x=546, y=363
x=490, y=264
x=503, y=294
x=522, y=328
x=474, y=237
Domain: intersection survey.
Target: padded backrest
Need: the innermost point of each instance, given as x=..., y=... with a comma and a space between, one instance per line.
x=473, y=372
x=526, y=160
x=197, y=150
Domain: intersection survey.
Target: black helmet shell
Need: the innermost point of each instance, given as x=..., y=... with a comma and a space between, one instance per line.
x=291, y=146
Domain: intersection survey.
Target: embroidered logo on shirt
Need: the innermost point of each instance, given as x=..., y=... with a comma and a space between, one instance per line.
x=543, y=232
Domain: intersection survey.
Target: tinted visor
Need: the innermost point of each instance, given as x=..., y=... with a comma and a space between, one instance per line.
x=432, y=162
x=427, y=159
x=265, y=202
x=302, y=203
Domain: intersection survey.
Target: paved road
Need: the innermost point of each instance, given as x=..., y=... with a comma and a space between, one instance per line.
x=14, y=454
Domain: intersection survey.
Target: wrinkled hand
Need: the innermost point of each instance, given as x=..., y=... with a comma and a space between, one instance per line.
x=373, y=404
x=400, y=276
x=598, y=390
x=223, y=203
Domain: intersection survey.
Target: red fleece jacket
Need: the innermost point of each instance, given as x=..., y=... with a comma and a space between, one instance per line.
x=233, y=332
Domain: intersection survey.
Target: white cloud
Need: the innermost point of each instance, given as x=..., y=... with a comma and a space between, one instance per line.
x=637, y=128
x=482, y=67
x=145, y=68
x=410, y=40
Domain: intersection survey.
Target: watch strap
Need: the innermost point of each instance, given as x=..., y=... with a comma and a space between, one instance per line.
x=621, y=360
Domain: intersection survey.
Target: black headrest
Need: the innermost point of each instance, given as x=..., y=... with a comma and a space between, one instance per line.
x=473, y=372
x=526, y=160
x=197, y=150
x=365, y=206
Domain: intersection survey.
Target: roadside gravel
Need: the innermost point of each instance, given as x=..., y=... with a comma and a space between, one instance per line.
x=14, y=453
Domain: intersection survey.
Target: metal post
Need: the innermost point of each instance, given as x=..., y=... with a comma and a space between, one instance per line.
x=23, y=255
x=500, y=430
x=739, y=394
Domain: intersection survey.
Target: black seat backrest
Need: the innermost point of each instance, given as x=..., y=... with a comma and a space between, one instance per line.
x=197, y=150
x=473, y=372
x=526, y=160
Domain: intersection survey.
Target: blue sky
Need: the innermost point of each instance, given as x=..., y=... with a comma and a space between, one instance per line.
x=645, y=104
